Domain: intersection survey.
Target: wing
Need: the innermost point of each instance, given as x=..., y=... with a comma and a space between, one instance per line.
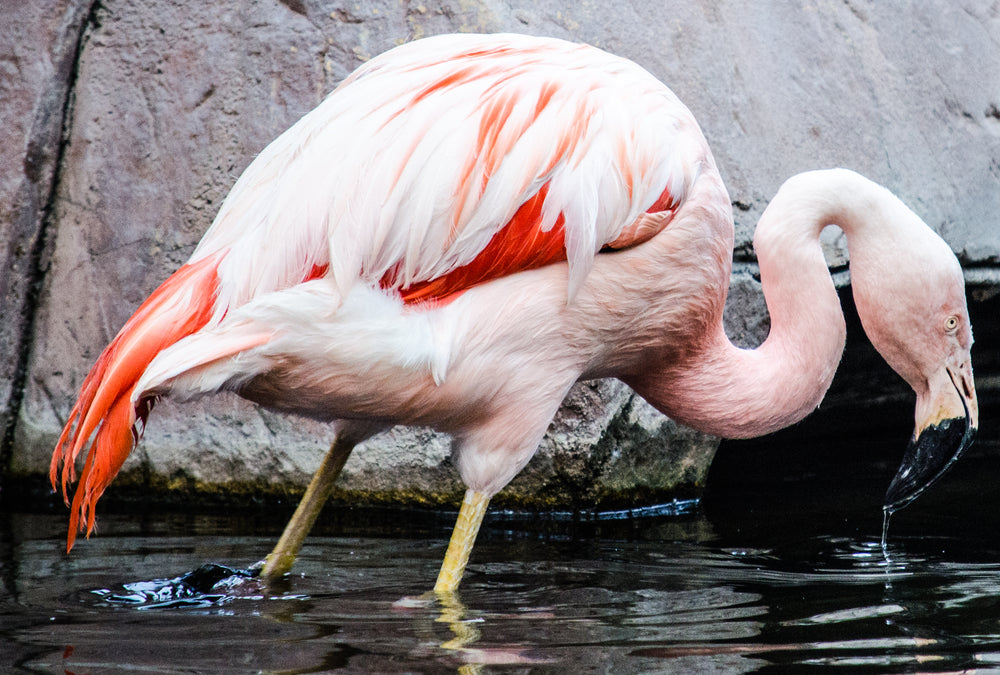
x=456, y=159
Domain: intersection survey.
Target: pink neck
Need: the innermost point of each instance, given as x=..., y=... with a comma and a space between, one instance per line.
x=739, y=393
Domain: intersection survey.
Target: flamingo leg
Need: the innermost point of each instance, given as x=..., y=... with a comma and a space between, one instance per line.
x=279, y=562
x=470, y=516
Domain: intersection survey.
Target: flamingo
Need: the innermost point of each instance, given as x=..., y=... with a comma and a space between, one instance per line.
x=470, y=224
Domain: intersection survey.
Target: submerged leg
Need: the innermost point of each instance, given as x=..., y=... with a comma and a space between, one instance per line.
x=462, y=539
x=279, y=562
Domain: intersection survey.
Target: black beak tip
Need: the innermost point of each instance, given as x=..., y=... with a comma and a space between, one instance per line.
x=926, y=459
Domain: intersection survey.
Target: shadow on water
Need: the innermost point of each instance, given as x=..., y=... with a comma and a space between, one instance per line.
x=759, y=576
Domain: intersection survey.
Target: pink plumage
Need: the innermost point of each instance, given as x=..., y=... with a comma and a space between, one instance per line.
x=470, y=224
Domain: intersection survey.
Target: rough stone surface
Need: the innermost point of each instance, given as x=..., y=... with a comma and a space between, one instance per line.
x=172, y=100
x=38, y=47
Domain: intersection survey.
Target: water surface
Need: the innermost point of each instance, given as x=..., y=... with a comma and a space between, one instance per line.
x=754, y=579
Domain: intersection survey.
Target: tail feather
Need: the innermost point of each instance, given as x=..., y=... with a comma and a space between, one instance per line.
x=109, y=408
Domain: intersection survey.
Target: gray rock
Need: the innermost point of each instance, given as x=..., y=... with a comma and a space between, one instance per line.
x=172, y=100
x=38, y=48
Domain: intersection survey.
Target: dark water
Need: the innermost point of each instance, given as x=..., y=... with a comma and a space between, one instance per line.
x=765, y=577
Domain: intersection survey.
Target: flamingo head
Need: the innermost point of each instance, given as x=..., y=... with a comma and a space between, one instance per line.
x=910, y=295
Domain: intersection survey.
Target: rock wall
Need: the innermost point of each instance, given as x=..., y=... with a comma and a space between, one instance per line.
x=124, y=125
x=38, y=49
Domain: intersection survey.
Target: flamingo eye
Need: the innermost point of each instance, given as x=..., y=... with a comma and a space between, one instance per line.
x=951, y=323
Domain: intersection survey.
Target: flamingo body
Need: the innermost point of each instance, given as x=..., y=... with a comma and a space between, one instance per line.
x=470, y=224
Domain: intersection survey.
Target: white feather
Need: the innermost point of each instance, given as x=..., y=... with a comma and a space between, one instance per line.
x=387, y=170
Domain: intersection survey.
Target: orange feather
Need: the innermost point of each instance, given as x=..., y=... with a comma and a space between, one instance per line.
x=519, y=245
x=183, y=304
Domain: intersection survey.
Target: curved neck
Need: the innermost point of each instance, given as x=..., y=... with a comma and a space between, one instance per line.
x=739, y=393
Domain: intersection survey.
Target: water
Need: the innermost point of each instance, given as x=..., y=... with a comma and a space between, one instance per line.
x=767, y=577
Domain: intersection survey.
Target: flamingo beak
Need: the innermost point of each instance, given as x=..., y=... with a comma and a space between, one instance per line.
x=947, y=419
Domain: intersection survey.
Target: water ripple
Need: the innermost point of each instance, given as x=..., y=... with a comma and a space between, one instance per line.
x=210, y=585
x=687, y=601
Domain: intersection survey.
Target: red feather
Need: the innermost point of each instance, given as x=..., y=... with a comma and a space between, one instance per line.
x=519, y=245
x=182, y=305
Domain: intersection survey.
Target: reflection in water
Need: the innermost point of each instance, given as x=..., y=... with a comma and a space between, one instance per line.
x=465, y=627
x=755, y=585
x=621, y=605
x=453, y=613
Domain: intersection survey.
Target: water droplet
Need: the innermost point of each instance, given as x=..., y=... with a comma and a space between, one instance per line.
x=886, y=514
